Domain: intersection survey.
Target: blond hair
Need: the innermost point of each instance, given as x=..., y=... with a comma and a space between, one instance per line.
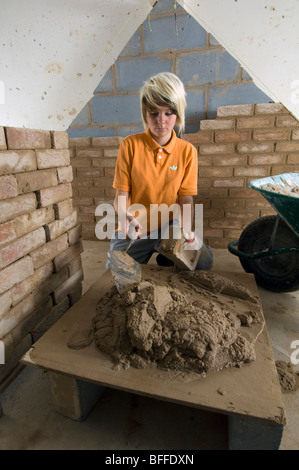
x=164, y=89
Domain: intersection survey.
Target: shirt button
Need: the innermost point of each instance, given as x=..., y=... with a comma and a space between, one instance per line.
x=160, y=156
x=160, y=150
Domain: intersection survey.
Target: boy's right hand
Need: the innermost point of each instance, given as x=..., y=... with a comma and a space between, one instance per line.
x=133, y=228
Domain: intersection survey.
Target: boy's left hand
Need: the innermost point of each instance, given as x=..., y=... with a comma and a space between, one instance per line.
x=192, y=242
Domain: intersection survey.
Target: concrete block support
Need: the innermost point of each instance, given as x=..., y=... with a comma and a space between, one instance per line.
x=74, y=398
x=252, y=434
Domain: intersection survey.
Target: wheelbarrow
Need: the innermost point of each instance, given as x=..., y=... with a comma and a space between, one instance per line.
x=269, y=246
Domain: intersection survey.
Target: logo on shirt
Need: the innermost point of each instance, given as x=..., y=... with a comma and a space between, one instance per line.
x=173, y=167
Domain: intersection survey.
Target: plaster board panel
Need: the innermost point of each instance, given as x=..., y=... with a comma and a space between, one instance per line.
x=54, y=54
x=262, y=36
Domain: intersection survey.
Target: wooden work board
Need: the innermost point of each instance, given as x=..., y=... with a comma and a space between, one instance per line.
x=250, y=391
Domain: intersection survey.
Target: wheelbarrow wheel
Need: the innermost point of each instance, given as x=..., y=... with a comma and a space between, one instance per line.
x=277, y=273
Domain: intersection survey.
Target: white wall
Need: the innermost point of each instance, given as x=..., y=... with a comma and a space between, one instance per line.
x=263, y=36
x=55, y=52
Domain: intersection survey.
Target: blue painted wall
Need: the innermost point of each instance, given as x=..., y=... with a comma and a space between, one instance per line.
x=169, y=40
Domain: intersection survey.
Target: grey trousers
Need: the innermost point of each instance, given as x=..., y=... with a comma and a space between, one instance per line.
x=142, y=249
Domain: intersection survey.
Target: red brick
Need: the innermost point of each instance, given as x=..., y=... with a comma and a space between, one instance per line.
x=58, y=227
x=19, y=161
x=109, y=172
x=104, y=162
x=7, y=233
x=22, y=246
x=63, y=209
x=81, y=162
x=243, y=214
x=102, y=182
x=260, y=203
x=229, y=183
x=52, y=158
x=213, y=124
x=213, y=232
x=295, y=134
x=208, y=171
x=79, y=142
x=16, y=315
x=231, y=136
x=66, y=256
x=231, y=203
x=2, y=139
x=48, y=251
x=199, y=137
x=293, y=159
x=226, y=223
x=266, y=159
x=216, y=148
x=65, y=174
x=219, y=243
x=34, y=180
x=15, y=273
x=22, y=289
x=92, y=173
x=229, y=160
x=59, y=139
x=106, y=141
x=255, y=122
x=74, y=235
x=88, y=153
x=243, y=193
x=28, y=222
x=19, y=205
x=251, y=147
x=19, y=138
x=64, y=289
x=235, y=110
x=48, y=196
x=8, y=187
x=83, y=201
x=212, y=193
x=270, y=108
x=287, y=146
x=275, y=134
x=110, y=153
x=258, y=172
x=286, y=121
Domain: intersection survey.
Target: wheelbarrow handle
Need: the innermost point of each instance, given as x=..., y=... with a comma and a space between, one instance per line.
x=260, y=254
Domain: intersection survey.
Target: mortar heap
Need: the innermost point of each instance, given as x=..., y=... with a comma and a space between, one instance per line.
x=195, y=322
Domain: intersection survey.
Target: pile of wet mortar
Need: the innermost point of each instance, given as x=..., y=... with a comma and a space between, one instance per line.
x=194, y=322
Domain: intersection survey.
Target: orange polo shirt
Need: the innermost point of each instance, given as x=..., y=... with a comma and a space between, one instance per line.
x=155, y=174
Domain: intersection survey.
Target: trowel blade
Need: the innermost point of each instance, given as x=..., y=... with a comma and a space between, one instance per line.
x=124, y=269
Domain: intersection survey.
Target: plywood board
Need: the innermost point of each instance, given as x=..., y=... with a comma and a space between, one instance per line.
x=252, y=390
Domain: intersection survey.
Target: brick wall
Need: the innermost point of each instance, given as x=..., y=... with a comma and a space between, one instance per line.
x=40, y=238
x=243, y=143
x=170, y=40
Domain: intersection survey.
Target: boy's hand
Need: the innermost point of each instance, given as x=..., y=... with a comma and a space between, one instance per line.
x=192, y=242
x=133, y=228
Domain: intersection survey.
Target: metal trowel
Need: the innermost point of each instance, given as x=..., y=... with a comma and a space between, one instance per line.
x=124, y=269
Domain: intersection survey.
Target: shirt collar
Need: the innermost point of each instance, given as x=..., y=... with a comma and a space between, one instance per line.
x=153, y=145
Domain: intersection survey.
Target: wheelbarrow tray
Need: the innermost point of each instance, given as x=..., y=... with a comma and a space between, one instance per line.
x=286, y=205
